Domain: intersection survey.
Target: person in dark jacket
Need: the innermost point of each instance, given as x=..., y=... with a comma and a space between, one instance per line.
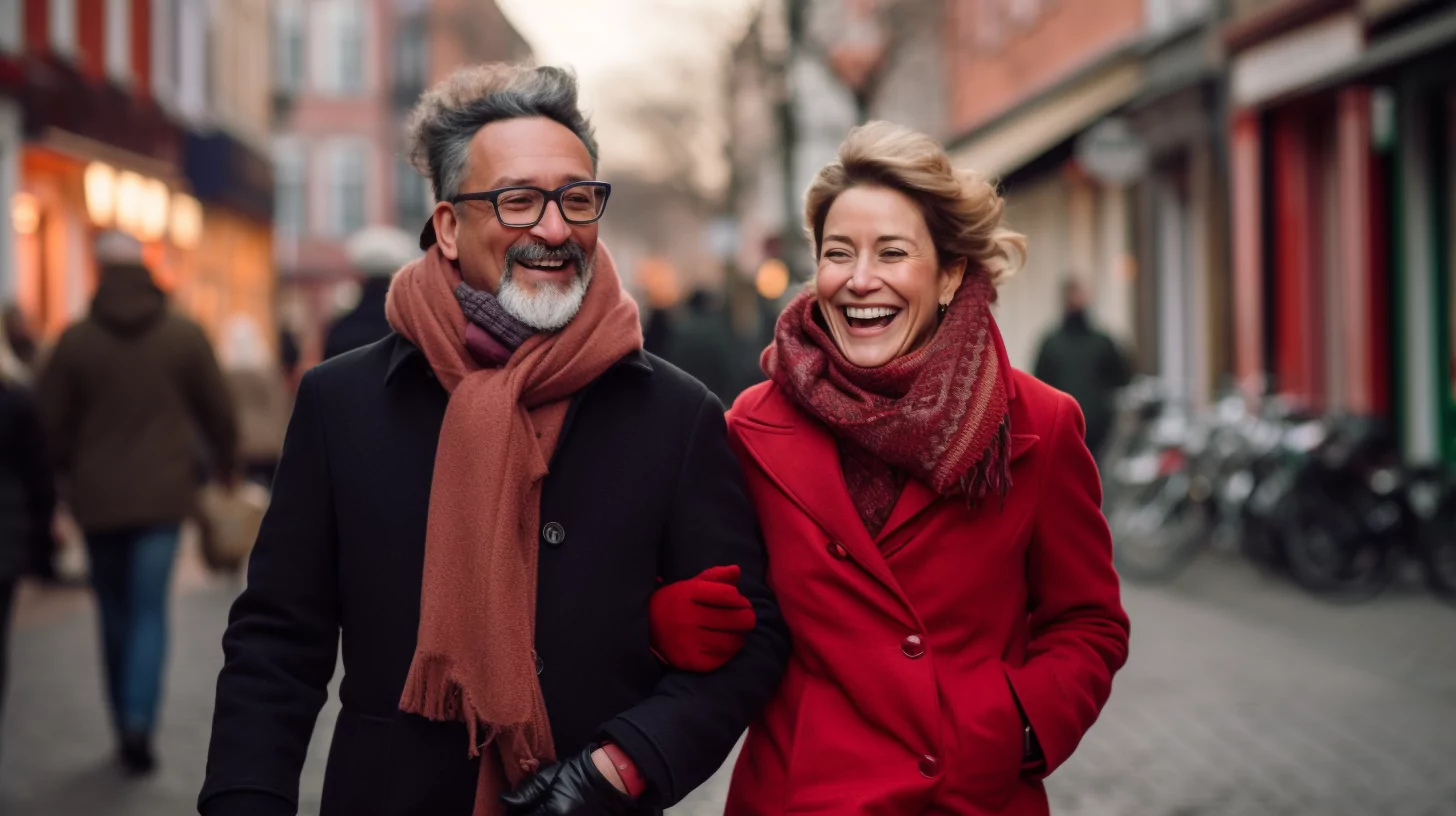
x=1086, y=363
x=27, y=493
x=124, y=396
x=376, y=252
x=703, y=345
x=481, y=506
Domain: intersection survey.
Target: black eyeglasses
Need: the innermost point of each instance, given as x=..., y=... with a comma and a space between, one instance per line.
x=580, y=202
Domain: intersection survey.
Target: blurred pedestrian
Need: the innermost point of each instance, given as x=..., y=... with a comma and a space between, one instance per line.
x=27, y=493
x=376, y=253
x=19, y=337
x=964, y=606
x=1085, y=362
x=703, y=344
x=501, y=620
x=260, y=395
x=123, y=397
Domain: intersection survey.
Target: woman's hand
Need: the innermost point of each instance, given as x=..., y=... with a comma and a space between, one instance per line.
x=699, y=624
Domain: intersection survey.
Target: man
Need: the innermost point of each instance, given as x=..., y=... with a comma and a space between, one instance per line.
x=122, y=398
x=483, y=503
x=1086, y=363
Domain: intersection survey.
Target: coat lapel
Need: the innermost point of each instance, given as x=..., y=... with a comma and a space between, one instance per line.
x=803, y=460
x=917, y=496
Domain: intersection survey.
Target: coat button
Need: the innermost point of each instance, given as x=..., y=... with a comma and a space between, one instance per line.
x=838, y=551
x=929, y=766
x=554, y=533
x=913, y=647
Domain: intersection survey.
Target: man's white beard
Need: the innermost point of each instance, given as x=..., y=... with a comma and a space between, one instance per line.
x=550, y=307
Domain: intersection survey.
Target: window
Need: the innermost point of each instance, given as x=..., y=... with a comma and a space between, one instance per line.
x=348, y=177
x=338, y=62
x=164, y=50
x=118, y=40
x=413, y=200
x=290, y=187
x=351, y=48
x=288, y=47
x=63, y=26
x=12, y=25
x=411, y=62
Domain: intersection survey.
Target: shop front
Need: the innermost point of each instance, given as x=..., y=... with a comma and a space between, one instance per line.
x=65, y=195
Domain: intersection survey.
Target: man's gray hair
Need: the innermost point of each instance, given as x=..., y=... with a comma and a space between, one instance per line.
x=449, y=114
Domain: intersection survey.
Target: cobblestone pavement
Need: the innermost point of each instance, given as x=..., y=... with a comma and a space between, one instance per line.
x=1242, y=697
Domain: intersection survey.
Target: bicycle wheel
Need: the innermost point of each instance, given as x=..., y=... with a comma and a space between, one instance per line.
x=1332, y=554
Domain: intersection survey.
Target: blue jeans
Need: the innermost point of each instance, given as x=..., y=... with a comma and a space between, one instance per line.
x=130, y=571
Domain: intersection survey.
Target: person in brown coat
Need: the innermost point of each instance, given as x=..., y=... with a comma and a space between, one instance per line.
x=123, y=398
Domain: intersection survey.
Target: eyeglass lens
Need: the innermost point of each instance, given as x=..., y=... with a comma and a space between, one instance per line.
x=580, y=203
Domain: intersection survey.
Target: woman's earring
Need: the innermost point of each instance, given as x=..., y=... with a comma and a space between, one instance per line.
x=943, y=308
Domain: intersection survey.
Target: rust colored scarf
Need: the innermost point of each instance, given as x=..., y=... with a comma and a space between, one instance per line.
x=937, y=414
x=475, y=659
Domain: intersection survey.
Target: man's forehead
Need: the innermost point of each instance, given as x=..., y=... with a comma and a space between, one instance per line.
x=528, y=151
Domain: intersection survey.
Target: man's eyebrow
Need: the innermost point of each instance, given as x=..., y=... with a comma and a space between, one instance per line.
x=519, y=181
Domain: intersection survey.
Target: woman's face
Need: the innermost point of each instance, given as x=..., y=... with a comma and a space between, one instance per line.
x=879, y=284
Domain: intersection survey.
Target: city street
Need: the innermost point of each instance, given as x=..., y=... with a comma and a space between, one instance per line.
x=1242, y=697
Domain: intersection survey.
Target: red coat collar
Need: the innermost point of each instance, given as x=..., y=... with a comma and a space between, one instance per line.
x=801, y=456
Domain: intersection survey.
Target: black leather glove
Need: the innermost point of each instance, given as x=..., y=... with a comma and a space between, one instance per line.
x=573, y=787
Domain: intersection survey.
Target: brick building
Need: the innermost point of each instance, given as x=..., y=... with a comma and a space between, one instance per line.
x=346, y=74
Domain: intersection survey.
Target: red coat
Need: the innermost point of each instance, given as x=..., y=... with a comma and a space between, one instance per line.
x=907, y=648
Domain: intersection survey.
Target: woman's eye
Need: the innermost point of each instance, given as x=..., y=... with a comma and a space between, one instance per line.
x=893, y=254
x=836, y=255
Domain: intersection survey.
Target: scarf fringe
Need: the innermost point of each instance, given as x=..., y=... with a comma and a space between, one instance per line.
x=992, y=472
x=432, y=692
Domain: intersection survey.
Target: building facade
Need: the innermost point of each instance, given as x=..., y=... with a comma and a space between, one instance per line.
x=1341, y=157
x=99, y=104
x=346, y=74
x=1027, y=79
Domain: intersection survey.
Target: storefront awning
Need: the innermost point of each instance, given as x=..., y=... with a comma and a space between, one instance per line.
x=1015, y=139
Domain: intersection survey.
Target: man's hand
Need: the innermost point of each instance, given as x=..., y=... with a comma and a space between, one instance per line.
x=699, y=624
x=574, y=787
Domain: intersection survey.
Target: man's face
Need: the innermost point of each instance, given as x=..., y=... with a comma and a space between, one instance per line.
x=538, y=273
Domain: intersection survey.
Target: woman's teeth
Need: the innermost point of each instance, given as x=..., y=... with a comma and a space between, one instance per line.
x=870, y=313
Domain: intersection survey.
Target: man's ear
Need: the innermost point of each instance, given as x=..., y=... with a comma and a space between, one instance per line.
x=446, y=223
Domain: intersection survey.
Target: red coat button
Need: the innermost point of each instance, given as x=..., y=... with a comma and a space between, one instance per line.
x=929, y=766
x=838, y=551
x=913, y=647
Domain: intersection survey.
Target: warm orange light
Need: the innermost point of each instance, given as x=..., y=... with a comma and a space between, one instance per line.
x=100, y=184
x=131, y=192
x=152, y=215
x=25, y=213
x=772, y=279
x=186, y=221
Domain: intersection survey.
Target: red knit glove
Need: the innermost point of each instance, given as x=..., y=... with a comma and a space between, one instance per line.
x=699, y=624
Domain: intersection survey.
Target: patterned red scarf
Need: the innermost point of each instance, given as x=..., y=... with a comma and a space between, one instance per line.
x=937, y=414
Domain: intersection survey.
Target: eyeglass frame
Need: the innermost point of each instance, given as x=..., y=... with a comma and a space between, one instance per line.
x=548, y=196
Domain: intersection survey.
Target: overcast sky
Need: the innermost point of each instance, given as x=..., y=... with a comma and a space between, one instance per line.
x=634, y=52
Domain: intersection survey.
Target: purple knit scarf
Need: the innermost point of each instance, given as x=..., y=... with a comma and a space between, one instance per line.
x=492, y=334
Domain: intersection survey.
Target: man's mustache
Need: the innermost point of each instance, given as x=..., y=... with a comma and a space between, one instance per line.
x=535, y=253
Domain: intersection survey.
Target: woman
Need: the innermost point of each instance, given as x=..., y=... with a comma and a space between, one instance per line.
x=931, y=515
x=27, y=491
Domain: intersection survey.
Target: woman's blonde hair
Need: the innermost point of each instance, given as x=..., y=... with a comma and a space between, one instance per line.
x=961, y=209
